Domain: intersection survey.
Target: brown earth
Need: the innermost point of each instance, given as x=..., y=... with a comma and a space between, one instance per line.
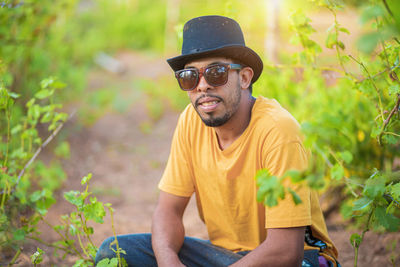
x=127, y=162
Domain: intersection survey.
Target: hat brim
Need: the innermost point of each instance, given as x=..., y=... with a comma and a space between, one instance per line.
x=236, y=52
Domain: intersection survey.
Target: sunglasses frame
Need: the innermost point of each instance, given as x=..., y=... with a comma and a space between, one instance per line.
x=200, y=73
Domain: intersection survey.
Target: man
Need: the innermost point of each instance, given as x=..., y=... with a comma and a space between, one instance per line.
x=222, y=139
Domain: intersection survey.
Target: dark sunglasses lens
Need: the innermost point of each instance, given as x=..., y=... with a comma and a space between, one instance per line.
x=216, y=75
x=187, y=79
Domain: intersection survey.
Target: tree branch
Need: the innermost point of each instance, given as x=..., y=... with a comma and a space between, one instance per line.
x=45, y=143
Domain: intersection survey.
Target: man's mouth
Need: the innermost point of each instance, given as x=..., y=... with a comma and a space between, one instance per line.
x=208, y=103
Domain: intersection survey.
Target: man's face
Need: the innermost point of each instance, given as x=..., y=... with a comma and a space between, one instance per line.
x=215, y=105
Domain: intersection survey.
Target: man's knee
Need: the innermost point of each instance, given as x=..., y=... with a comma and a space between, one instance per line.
x=105, y=250
x=135, y=247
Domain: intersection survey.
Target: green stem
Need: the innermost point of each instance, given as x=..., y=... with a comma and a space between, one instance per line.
x=373, y=84
x=346, y=179
x=85, y=230
x=51, y=245
x=3, y=197
x=14, y=259
x=391, y=133
x=8, y=115
x=82, y=246
x=115, y=236
x=362, y=238
x=392, y=112
x=63, y=237
x=355, y=256
x=336, y=46
x=52, y=227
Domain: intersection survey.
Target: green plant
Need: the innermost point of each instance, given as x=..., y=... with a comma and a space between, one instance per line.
x=351, y=126
x=27, y=193
x=23, y=193
x=75, y=234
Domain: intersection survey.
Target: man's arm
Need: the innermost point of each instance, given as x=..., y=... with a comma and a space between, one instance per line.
x=167, y=229
x=283, y=247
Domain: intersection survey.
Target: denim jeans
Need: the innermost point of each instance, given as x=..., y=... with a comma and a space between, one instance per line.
x=194, y=252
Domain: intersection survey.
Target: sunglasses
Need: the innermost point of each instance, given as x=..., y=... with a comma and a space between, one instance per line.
x=215, y=75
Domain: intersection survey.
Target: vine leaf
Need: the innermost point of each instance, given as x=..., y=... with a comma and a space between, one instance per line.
x=387, y=220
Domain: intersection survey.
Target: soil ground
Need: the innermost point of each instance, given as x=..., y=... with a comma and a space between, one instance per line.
x=127, y=163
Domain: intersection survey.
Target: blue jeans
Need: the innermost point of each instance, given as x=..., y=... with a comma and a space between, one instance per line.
x=194, y=252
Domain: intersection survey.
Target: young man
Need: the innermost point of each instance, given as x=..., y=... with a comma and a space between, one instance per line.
x=222, y=139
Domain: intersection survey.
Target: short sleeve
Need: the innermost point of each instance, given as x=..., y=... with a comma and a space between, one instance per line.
x=178, y=175
x=288, y=156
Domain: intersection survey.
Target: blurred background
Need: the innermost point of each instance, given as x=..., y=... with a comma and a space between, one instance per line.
x=91, y=77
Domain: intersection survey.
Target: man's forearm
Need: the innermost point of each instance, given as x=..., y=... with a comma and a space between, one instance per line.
x=167, y=237
x=283, y=247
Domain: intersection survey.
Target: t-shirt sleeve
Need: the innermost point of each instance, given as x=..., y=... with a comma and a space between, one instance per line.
x=284, y=157
x=178, y=175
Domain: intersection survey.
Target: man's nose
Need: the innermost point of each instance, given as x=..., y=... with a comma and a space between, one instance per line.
x=203, y=86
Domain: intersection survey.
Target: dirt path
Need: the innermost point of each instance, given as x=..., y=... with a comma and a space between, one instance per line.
x=127, y=163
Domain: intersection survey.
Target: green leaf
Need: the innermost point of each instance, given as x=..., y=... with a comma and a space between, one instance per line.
x=106, y=263
x=95, y=212
x=270, y=189
x=376, y=130
x=331, y=40
x=74, y=197
x=346, y=156
x=341, y=45
x=374, y=187
x=395, y=191
x=46, y=117
x=37, y=257
x=342, y=29
x=337, y=172
x=355, y=240
x=43, y=204
x=81, y=263
x=387, y=220
x=114, y=262
x=34, y=112
x=16, y=129
x=19, y=234
x=44, y=93
x=86, y=179
x=390, y=139
x=46, y=82
x=90, y=231
x=295, y=176
x=30, y=102
x=361, y=203
x=36, y=195
x=295, y=197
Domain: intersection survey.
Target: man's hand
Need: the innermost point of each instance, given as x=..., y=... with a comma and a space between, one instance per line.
x=283, y=247
x=167, y=229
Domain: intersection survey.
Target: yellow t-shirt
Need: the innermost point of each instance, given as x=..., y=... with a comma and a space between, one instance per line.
x=224, y=180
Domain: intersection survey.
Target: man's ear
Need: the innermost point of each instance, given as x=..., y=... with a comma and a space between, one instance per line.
x=245, y=75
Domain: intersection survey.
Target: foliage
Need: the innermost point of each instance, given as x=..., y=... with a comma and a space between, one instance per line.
x=23, y=192
x=27, y=194
x=351, y=122
x=352, y=126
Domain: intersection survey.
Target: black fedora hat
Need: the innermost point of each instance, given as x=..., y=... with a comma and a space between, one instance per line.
x=215, y=36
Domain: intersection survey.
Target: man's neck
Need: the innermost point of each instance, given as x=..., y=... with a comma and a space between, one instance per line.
x=236, y=125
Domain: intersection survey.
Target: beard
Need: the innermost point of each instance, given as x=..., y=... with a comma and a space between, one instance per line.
x=216, y=121
x=231, y=106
